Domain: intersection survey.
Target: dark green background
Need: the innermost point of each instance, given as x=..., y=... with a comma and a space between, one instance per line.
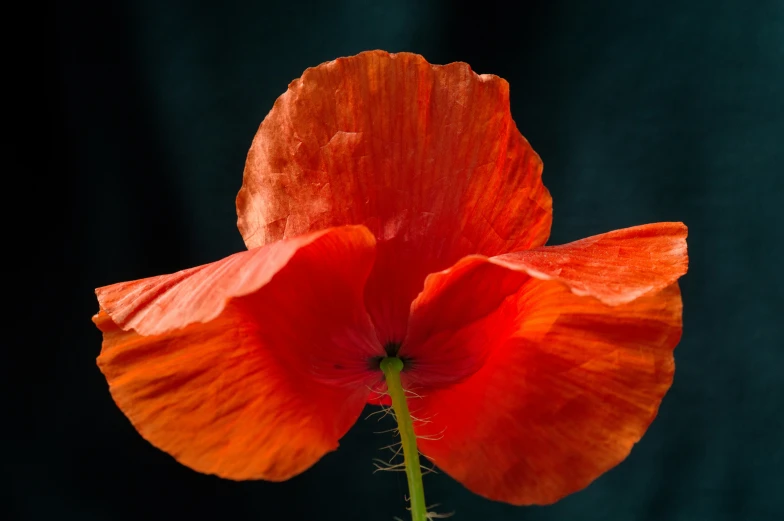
x=642, y=112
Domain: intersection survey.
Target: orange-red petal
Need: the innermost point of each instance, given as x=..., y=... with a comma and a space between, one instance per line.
x=426, y=156
x=250, y=367
x=559, y=402
x=615, y=267
x=533, y=386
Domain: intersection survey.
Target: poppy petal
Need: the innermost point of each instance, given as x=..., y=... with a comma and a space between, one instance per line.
x=542, y=386
x=465, y=301
x=427, y=157
x=248, y=367
x=558, y=402
x=615, y=267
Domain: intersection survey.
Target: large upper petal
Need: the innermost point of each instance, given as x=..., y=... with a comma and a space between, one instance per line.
x=250, y=367
x=426, y=156
x=532, y=382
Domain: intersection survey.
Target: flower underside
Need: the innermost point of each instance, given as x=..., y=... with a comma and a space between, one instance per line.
x=392, y=210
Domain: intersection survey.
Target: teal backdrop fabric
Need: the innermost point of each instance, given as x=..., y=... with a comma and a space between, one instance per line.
x=641, y=111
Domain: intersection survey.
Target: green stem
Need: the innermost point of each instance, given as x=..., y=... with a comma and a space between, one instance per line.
x=391, y=366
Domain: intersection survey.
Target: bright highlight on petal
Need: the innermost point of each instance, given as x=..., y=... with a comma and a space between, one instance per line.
x=615, y=267
x=252, y=367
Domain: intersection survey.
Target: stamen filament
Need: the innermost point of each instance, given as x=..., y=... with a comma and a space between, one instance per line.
x=391, y=366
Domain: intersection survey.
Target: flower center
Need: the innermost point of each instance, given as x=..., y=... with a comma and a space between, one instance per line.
x=391, y=349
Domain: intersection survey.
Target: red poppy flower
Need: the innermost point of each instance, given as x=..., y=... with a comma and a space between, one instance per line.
x=392, y=208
